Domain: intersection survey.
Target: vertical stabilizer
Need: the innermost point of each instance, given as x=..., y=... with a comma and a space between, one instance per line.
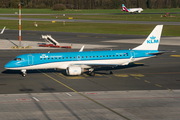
x=124, y=8
x=152, y=41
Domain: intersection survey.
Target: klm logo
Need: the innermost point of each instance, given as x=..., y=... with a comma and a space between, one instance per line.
x=152, y=40
x=44, y=56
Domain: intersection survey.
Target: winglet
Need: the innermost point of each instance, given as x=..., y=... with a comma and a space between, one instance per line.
x=81, y=49
x=152, y=41
x=3, y=30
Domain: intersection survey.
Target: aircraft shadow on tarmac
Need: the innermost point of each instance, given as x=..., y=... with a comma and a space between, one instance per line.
x=97, y=70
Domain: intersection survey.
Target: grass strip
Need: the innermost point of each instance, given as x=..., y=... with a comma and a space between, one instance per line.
x=130, y=29
x=49, y=11
x=129, y=17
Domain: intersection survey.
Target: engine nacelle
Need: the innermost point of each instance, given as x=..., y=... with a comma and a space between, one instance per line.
x=73, y=70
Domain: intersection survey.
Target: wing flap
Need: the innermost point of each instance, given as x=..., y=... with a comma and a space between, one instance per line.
x=94, y=65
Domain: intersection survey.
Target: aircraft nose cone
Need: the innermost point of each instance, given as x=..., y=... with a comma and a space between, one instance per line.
x=7, y=66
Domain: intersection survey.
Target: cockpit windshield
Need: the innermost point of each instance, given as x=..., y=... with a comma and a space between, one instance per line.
x=17, y=59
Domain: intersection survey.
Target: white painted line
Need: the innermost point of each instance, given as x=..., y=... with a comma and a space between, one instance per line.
x=35, y=99
x=68, y=94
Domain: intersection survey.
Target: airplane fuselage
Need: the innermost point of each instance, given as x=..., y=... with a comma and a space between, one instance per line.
x=131, y=10
x=62, y=60
x=76, y=63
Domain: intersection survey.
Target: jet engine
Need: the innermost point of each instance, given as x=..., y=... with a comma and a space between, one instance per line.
x=73, y=70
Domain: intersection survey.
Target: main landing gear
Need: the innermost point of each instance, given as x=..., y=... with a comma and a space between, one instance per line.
x=23, y=73
x=91, y=72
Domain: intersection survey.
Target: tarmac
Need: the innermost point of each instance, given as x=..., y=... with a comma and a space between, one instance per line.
x=144, y=90
x=107, y=105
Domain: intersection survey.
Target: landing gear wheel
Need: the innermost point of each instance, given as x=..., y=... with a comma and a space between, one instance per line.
x=92, y=73
x=24, y=74
x=111, y=72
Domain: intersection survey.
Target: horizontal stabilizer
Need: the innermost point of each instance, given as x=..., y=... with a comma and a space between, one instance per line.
x=156, y=53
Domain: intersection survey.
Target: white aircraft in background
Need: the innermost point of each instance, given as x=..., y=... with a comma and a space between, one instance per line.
x=2, y=31
x=131, y=10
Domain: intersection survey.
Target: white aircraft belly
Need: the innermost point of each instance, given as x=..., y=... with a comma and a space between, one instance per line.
x=64, y=65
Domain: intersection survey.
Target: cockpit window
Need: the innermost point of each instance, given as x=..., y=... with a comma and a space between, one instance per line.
x=17, y=59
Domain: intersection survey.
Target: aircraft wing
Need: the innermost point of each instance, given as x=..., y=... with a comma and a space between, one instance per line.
x=94, y=65
x=97, y=65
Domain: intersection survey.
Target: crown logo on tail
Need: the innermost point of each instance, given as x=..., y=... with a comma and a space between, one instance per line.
x=152, y=41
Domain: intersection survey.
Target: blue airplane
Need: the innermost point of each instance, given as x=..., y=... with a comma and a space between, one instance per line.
x=75, y=63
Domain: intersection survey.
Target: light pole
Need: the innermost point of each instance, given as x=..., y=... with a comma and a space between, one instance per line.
x=19, y=24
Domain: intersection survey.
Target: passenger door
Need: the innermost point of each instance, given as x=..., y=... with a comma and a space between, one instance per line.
x=30, y=60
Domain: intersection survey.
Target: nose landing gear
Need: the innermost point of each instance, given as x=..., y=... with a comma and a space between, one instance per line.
x=23, y=73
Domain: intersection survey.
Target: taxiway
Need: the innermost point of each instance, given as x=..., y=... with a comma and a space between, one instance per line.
x=147, y=89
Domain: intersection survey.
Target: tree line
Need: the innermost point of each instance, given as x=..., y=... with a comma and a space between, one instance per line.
x=92, y=4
